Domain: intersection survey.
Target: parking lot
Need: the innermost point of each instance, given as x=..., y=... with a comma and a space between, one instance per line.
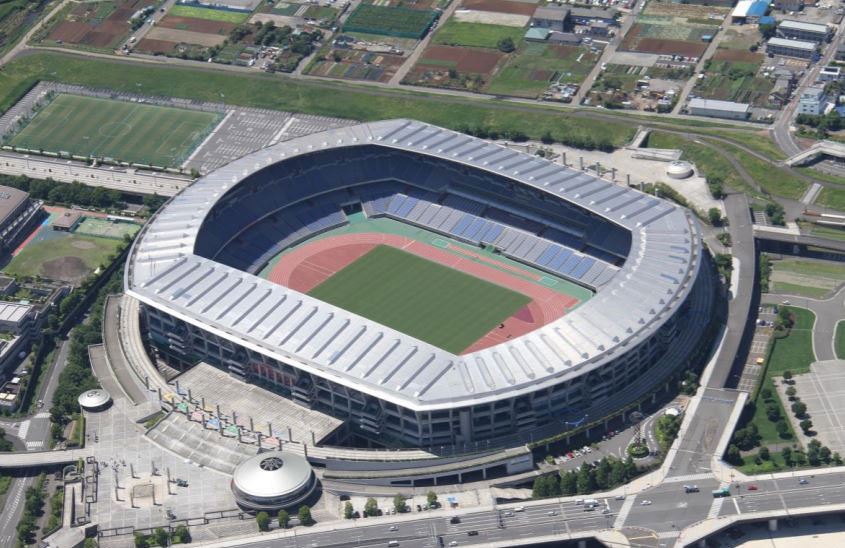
x=756, y=363
x=822, y=389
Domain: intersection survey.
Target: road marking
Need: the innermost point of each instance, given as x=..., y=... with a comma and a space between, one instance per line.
x=736, y=505
x=715, y=508
x=623, y=512
x=24, y=428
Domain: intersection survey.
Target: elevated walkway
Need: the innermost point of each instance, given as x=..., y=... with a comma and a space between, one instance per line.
x=823, y=148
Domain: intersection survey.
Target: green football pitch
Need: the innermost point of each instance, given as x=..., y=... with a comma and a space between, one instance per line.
x=104, y=128
x=434, y=303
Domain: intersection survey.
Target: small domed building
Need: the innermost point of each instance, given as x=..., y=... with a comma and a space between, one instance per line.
x=273, y=480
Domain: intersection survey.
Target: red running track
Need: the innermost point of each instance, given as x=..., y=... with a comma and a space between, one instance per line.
x=308, y=266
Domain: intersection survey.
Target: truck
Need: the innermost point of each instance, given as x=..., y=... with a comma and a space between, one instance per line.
x=722, y=492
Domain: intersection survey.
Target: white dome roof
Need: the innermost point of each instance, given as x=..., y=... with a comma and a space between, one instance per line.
x=92, y=399
x=679, y=170
x=272, y=474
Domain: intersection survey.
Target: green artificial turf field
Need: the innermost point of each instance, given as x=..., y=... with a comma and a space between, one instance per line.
x=436, y=304
x=131, y=132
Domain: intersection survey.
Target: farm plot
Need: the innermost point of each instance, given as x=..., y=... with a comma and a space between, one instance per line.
x=534, y=66
x=185, y=36
x=667, y=36
x=490, y=18
x=501, y=6
x=735, y=80
x=96, y=25
x=454, y=67
x=401, y=22
x=194, y=24
x=358, y=65
x=475, y=35
x=200, y=12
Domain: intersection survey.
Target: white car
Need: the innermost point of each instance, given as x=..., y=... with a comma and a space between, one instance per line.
x=645, y=503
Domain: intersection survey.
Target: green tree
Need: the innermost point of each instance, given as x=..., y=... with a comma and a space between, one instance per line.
x=506, y=44
x=790, y=392
x=371, y=507
x=799, y=408
x=586, y=479
x=766, y=393
x=733, y=456
x=304, y=515
x=806, y=425
x=773, y=411
x=764, y=453
x=140, y=541
x=184, y=535
x=603, y=471
x=714, y=215
x=786, y=453
x=161, y=536
x=431, y=498
x=540, y=488
x=399, y=503
x=782, y=428
x=569, y=483
x=787, y=375
x=90, y=543
x=263, y=521
x=348, y=511
x=284, y=519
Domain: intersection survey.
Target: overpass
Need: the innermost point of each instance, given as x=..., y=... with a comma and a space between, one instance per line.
x=799, y=240
x=34, y=459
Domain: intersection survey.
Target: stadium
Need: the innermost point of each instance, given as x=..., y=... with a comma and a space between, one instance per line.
x=424, y=286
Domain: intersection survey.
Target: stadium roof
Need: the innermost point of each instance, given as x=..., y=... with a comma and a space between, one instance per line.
x=327, y=341
x=801, y=25
x=797, y=44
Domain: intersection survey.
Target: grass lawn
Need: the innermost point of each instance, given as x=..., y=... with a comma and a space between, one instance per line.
x=211, y=14
x=312, y=97
x=476, y=35
x=794, y=353
x=69, y=259
x=831, y=197
x=5, y=482
x=831, y=232
x=806, y=277
x=132, y=132
x=529, y=70
x=839, y=340
x=786, y=288
x=434, y=303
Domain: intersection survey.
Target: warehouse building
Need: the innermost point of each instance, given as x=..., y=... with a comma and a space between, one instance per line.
x=749, y=11
x=552, y=18
x=791, y=48
x=718, y=109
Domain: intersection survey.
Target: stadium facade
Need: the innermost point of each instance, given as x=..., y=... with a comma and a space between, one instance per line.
x=194, y=266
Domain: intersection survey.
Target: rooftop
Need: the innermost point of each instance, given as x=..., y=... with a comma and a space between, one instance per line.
x=10, y=199
x=13, y=312
x=608, y=13
x=272, y=474
x=801, y=25
x=551, y=13
x=67, y=219
x=797, y=44
x=714, y=104
x=537, y=33
x=750, y=8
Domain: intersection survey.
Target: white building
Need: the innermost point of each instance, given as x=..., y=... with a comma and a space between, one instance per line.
x=718, y=109
x=812, y=101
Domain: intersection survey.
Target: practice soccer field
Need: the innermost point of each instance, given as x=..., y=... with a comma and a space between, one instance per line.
x=434, y=303
x=131, y=132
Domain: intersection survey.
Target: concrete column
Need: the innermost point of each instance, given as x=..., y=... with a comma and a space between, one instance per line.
x=259, y=440
x=654, y=398
x=313, y=438
x=239, y=434
x=563, y=158
x=218, y=410
x=270, y=429
x=280, y=443
x=628, y=179
x=435, y=480
x=484, y=473
x=147, y=382
x=234, y=418
x=773, y=525
x=190, y=397
x=613, y=174
x=159, y=394
x=177, y=387
x=251, y=426
x=606, y=425
x=290, y=434
x=132, y=470
x=305, y=449
x=582, y=544
x=702, y=543
x=581, y=163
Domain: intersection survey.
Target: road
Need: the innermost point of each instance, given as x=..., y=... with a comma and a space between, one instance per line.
x=35, y=433
x=828, y=314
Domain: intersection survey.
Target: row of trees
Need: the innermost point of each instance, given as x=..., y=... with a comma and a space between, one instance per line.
x=400, y=505
x=283, y=518
x=33, y=509
x=162, y=537
x=606, y=474
x=64, y=193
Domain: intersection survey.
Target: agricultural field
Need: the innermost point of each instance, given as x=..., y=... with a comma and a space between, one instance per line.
x=434, y=303
x=671, y=30
x=476, y=35
x=618, y=86
x=455, y=67
x=16, y=17
x=732, y=75
x=210, y=14
x=130, y=132
x=98, y=26
x=806, y=278
x=390, y=21
x=529, y=71
x=350, y=64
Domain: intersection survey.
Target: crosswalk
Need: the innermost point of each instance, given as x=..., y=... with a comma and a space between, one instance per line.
x=23, y=429
x=715, y=508
x=623, y=512
x=34, y=444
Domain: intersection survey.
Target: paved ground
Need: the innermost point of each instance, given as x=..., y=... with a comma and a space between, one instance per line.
x=823, y=390
x=758, y=351
x=828, y=313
